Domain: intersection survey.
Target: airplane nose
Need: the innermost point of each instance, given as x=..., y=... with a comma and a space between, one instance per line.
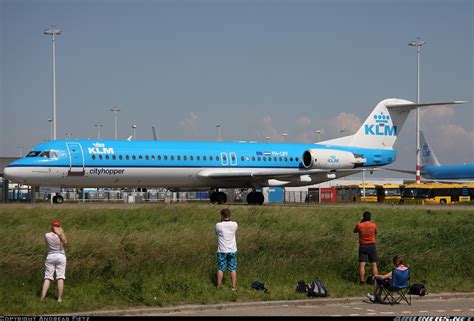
x=12, y=174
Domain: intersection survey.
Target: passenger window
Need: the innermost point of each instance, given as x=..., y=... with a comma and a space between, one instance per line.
x=291, y=159
x=233, y=158
x=172, y=157
x=165, y=157
x=217, y=158
x=242, y=158
x=134, y=157
x=147, y=157
x=153, y=157
x=224, y=158
x=275, y=159
x=198, y=158
x=296, y=159
x=159, y=157
x=100, y=157
x=191, y=158
x=264, y=158
x=204, y=158
x=280, y=159
x=93, y=157
x=114, y=157
x=107, y=157
x=259, y=159
x=286, y=159
x=127, y=157
x=210, y=158
x=140, y=157
x=185, y=158
x=179, y=157
x=120, y=157
x=253, y=158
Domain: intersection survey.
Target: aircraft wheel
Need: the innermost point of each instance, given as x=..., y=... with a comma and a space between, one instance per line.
x=251, y=198
x=221, y=198
x=213, y=197
x=58, y=199
x=260, y=199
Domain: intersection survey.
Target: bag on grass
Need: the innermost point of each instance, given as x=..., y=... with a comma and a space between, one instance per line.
x=302, y=287
x=259, y=286
x=317, y=288
x=418, y=289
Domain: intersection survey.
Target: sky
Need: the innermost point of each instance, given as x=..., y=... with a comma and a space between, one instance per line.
x=259, y=68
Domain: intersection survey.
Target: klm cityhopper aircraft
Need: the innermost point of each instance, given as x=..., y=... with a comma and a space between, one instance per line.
x=433, y=170
x=181, y=166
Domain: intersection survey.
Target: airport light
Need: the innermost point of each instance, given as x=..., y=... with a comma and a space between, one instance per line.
x=115, y=110
x=343, y=131
x=267, y=138
x=98, y=125
x=134, y=127
x=21, y=150
x=418, y=43
x=283, y=135
x=219, y=128
x=51, y=128
x=68, y=135
x=53, y=32
x=318, y=132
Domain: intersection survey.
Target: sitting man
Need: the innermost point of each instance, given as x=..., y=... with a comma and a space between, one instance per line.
x=384, y=280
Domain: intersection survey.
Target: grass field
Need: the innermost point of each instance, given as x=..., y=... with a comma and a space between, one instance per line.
x=162, y=255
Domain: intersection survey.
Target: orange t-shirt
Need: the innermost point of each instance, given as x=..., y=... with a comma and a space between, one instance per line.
x=367, y=231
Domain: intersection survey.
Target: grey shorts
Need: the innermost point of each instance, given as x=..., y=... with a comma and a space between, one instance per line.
x=368, y=252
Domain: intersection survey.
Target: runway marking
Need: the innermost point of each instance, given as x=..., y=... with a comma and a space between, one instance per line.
x=387, y=312
x=357, y=308
x=406, y=312
x=370, y=310
x=457, y=310
x=440, y=310
x=345, y=306
x=423, y=311
x=371, y=313
x=354, y=315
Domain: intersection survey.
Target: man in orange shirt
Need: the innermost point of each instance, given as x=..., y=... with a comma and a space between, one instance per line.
x=367, y=231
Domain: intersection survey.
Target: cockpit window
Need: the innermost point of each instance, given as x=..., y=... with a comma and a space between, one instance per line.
x=33, y=154
x=48, y=154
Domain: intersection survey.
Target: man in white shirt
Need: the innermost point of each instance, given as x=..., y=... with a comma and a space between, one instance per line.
x=226, y=248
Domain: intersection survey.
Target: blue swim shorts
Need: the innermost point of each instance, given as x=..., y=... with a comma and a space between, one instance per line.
x=227, y=260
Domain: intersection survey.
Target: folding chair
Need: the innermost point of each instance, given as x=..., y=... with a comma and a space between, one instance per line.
x=398, y=288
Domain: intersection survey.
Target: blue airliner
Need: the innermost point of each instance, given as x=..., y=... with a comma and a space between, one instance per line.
x=181, y=166
x=430, y=168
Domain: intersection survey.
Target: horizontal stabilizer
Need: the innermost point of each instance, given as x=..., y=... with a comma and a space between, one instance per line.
x=414, y=105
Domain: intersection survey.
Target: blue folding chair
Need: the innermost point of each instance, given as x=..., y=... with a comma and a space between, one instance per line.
x=398, y=288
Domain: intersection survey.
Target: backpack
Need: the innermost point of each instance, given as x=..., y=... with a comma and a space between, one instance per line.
x=418, y=289
x=302, y=287
x=259, y=286
x=317, y=288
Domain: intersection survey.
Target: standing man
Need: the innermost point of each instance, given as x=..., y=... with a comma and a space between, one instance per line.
x=226, y=248
x=367, y=231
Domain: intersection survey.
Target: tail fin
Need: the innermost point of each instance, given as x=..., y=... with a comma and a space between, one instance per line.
x=428, y=157
x=381, y=128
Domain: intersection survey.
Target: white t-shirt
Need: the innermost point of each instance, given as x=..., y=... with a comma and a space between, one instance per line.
x=54, y=243
x=225, y=232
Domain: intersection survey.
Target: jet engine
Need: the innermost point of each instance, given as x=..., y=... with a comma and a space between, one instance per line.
x=331, y=159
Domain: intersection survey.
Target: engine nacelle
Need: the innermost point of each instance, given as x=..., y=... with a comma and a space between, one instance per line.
x=331, y=159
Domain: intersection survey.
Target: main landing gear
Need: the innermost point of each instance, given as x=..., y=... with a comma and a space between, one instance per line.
x=218, y=197
x=255, y=198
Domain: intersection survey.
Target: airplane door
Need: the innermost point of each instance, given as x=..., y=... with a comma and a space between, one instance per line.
x=224, y=159
x=233, y=159
x=76, y=159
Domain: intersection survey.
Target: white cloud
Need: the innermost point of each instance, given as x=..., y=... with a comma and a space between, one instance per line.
x=303, y=121
x=343, y=120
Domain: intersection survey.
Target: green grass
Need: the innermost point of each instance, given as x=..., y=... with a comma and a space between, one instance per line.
x=163, y=255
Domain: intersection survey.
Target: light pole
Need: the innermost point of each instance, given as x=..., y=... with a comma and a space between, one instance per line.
x=115, y=110
x=134, y=131
x=219, y=128
x=418, y=43
x=68, y=135
x=283, y=135
x=21, y=150
x=53, y=32
x=268, y=139
x=318, y=132
x=344, y=130
x=98, y=125
x=50, y=121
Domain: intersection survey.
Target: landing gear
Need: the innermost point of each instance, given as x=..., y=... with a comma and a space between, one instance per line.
x=255, y=198
x=58, y=199
x=218, y=198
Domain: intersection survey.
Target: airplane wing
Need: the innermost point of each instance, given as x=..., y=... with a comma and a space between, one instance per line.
x=275, y=177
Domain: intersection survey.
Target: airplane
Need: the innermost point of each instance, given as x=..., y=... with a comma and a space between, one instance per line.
x=430, y=168
x=192, y=166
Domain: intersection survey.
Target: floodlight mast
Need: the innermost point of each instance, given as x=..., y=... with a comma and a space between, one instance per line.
x=418, y=43
x=52, y=31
